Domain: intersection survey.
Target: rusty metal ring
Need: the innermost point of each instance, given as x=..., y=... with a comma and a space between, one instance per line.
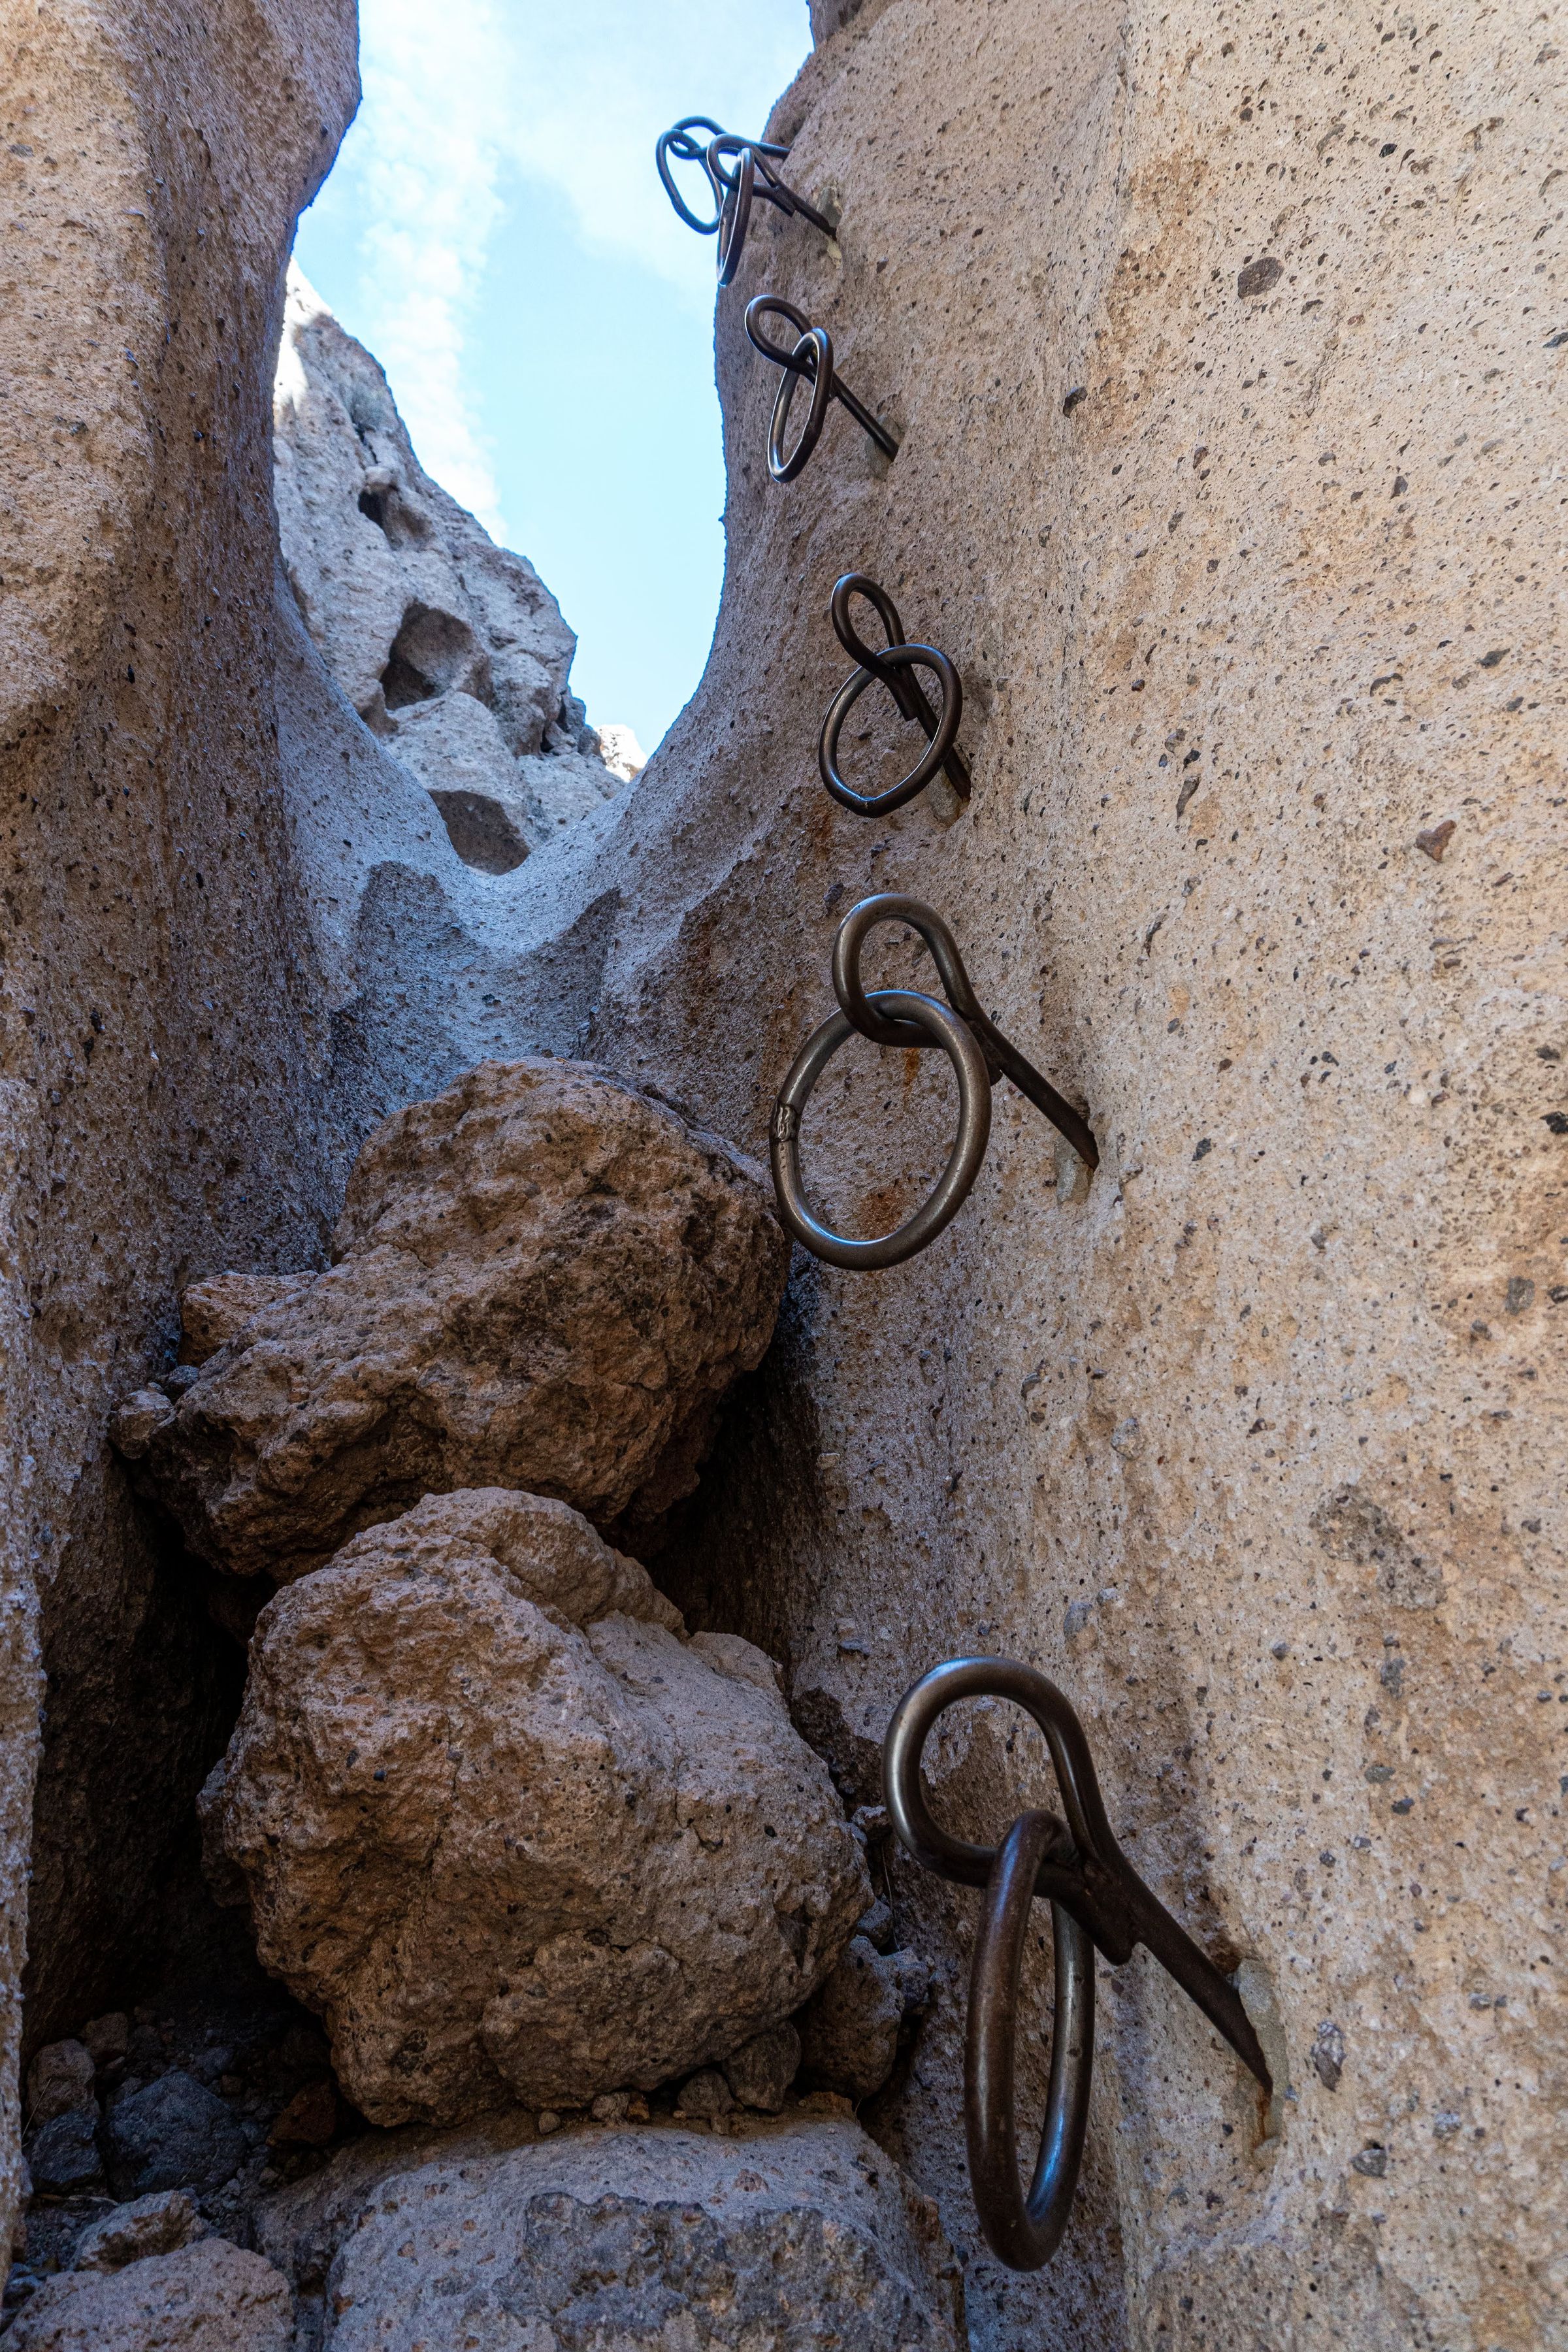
x=893, y=658
x=1025, y=2233
x=812, y=356
x=1080, y=1870
x=925, y=1021
x=893, y=666
x=679, y=142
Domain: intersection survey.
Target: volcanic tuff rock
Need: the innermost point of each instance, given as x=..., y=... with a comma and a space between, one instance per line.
x=543, y=1279
x=508, y=1833
x=447, y=646
x=210, y=2298
x=800, y=2234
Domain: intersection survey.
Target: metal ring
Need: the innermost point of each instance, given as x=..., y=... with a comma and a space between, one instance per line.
x=1025, y=2233
x=940, y=1027
x=677, y=141
x=902, y=684
x=819, y=368
x=936, y=754
x=735, y=213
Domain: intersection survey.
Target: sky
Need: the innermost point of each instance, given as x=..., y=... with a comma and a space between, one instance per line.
x=495, y=232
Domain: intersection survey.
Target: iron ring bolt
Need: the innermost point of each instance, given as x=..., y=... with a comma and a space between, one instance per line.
x=896, y=667
x=811, y=357
x=917, y=1020
x=751, y=176
x=732, y=167
x=1097, y=1899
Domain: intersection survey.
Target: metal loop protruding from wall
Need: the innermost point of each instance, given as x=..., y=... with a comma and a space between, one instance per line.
x=738, y=171
x=895, y=667
x=811, y=359
x=904, y=1017
x=1097, y=1899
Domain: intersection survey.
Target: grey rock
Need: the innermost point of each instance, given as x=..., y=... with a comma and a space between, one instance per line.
x=59, y=2078
x=849, y=2030
x=797, y=2236
x=877, y=1926
x=63, y=2155
x=150, y=2225
x=210, y=2298
x=106, y=2038
x=171, y=2134
x=760, y=2072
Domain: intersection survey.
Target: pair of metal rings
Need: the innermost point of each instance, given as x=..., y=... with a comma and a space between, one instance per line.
x=896, y=667
x=1098, y=1902
x=905, y=1017
x=738, y=171
x=811, y=359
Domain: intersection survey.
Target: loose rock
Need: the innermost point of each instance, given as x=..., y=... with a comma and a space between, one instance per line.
x=799, y=2236
x=850, y=2032
x=63, y=2157
x=544, y=1280
x=151, y=2225
x=210, y=2298
x=760, y=2072
x=59, y=2078
x=509, y=1833
x=171, y=2134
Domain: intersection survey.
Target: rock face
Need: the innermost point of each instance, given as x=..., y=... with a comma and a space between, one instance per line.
x=509, y=1833
x=799, y=2235
x=211, y=2297
x=449, y=647
x=542, y=1279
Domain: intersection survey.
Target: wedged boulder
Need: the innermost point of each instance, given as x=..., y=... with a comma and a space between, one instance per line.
x=849, y=2029
x=799, y=2235
x=210, y=2298
x=512, y=1835
x=543, y=1279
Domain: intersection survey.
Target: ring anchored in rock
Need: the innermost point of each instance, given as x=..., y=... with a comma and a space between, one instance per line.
x=737, y=170
x=812, y=358
x=1097, y=1899
x=895, y=667
x=902, y=1016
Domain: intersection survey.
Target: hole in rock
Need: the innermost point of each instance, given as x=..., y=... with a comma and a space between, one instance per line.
x=432, y=654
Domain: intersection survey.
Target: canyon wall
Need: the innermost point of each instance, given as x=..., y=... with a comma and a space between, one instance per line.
x=1224, y=349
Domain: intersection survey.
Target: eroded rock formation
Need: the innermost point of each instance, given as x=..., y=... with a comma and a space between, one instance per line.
x=542, y=1279
x=508, y=1833
x=212, y=2297
x=449, y=647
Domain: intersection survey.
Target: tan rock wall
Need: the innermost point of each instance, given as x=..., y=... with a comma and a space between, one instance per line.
x=161, y=1081
x=1256, y=1443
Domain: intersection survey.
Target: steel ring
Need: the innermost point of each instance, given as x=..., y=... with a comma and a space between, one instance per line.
x=819, y=367
x=893, y=657
x=677, y=141
x=1025, y=2233
x=735, y=213
x=943, y=1028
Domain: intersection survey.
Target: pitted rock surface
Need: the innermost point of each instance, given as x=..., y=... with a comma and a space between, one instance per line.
x=797, y=2236
x=508, y=1833
x=211, y=2297
x=543, y=1279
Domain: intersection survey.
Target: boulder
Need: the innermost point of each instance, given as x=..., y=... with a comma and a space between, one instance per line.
x=797, y=2236
x=542, y=1279
x=148, y=2225
x=59, y=2078
x=511, y=1834
x=849, y=2030
x=63, y=2159
x=171, y=2134
x=760, y=2072
x=210, y=2298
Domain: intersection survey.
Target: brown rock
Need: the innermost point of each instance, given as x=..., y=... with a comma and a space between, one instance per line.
x=1435, y=839
x=60, y=2079
x=213, y=1312
x=159, y=2224
x=210, y=2298
x=543, y=1279
x=760, y=2072
x=508, y=1833
x=849, y=2032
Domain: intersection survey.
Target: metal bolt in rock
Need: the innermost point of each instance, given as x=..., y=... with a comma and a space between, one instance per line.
x=905, y=1017
x=895, y=667
x=1098, y=1902
x=811, y=359
x=738, y=171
